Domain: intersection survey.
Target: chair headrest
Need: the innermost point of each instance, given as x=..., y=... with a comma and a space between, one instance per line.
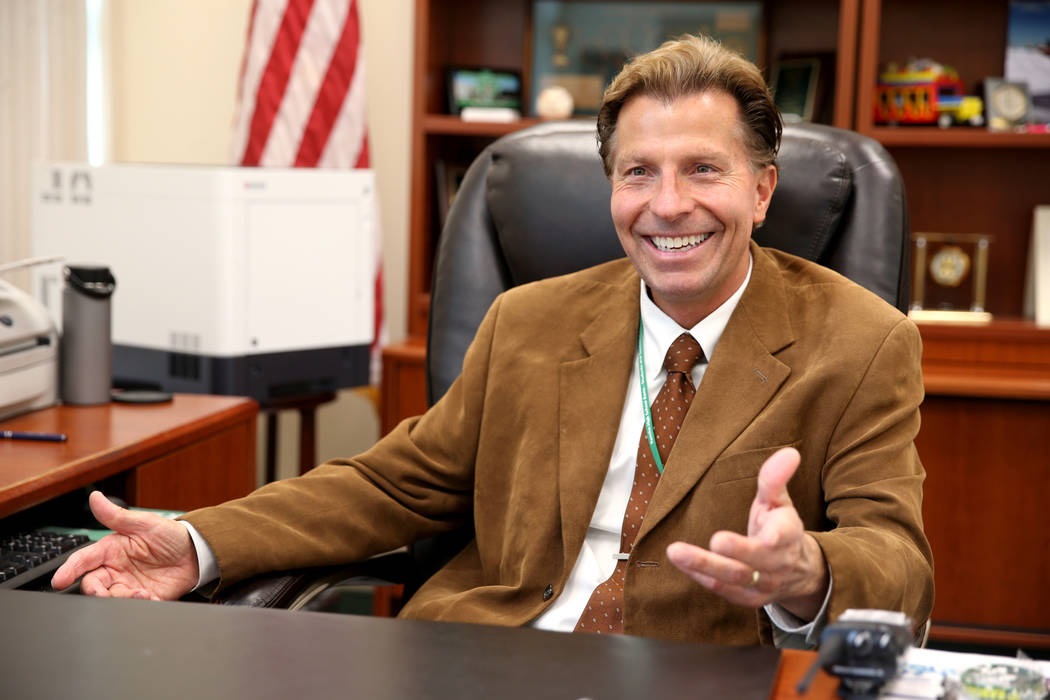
x=549, y=201
x=814, y=186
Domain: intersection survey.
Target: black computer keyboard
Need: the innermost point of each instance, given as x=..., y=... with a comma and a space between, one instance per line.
x=34, y=554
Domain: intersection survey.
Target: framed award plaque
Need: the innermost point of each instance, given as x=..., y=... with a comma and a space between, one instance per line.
x=950, y=277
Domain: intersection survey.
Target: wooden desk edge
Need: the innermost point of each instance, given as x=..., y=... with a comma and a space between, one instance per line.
x=94, y=467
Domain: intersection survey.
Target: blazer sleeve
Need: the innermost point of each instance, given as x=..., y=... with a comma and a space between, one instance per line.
x=872, y=479
x=415, y=482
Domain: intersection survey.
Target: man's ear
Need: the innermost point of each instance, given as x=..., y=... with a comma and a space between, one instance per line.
x=766, y=183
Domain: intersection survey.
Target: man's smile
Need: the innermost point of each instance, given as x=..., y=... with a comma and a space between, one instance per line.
x=678, y=243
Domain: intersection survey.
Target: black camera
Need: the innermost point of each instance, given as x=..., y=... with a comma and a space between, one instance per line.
x=863, y=648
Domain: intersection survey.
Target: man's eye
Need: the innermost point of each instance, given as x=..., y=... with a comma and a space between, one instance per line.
x=636, y=171
x=702, y=169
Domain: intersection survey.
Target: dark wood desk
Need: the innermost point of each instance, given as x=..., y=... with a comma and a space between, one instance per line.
x=191, y=452
x=140, y=649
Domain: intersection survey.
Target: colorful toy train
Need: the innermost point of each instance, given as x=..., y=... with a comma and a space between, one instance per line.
x=925, y=92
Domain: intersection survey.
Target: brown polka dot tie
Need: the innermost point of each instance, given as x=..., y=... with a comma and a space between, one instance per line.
x=604, y=611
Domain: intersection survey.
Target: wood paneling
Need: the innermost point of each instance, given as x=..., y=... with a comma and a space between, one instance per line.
x=987, y=462
x=404, y=383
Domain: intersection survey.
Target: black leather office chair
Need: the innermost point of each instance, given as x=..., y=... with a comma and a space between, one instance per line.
x=535, y=204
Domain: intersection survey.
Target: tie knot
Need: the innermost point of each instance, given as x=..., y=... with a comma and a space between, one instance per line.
x=683, y=354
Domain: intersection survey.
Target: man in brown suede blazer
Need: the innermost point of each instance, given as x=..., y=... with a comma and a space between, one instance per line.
x=793, y=483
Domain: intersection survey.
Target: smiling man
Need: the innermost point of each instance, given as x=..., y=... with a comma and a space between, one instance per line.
x=685, y=198
x=770, y=484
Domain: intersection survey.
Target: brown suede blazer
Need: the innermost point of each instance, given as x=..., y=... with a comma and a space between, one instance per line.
x=522, y=441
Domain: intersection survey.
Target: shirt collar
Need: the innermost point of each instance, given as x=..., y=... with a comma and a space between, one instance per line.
x=661, y=330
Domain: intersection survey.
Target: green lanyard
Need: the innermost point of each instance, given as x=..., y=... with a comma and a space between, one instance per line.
x=650, y=433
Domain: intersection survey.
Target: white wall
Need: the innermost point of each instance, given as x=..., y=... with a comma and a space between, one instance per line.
x=175, y=65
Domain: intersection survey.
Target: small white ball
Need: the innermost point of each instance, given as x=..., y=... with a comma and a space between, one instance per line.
x=554, y=102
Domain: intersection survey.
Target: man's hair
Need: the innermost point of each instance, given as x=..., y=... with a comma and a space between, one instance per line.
x=686, y=66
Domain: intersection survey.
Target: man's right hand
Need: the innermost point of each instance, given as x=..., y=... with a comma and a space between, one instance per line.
x=147, y=556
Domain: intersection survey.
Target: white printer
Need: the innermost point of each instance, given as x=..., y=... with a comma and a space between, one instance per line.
x=28, y=353
x=250, y=281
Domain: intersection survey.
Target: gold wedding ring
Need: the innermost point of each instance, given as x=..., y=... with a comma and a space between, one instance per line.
x=755, y=576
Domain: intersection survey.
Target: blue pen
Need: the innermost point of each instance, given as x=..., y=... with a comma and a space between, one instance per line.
x=39, y=437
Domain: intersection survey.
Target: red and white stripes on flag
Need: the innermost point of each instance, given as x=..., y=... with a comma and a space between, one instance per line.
x=301, y=96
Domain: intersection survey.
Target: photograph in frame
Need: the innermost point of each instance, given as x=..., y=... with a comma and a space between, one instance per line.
x=448, y=175
x=794, y=84
x=483, y=87
x=581, y=46
x=1028, y=53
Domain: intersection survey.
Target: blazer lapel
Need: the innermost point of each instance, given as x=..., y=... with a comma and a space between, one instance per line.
x=742, y=378
x=590, y=402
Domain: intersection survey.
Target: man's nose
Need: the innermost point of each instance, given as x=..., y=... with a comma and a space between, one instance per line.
x=671, y=200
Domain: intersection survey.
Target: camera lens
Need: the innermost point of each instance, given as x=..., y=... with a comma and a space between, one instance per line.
x=862, y=642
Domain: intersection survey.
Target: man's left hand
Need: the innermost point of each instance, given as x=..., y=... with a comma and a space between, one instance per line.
x=776, y=562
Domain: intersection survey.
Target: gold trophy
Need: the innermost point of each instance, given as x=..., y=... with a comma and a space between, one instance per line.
x=950, y=277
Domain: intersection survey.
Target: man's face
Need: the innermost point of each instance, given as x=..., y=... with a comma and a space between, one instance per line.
x=685, y=199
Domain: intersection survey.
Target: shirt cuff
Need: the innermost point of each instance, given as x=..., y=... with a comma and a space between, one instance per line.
x=791, y=632
x=207, y=565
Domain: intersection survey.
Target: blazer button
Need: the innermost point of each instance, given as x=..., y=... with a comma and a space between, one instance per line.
x=548, y=592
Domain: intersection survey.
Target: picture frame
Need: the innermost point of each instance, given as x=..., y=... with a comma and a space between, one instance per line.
x=1037, y=282
x=480, y=87
x=1027, y=57
x=448, y=176
x=795, y=83
x=581, y=45
x=1007, y=104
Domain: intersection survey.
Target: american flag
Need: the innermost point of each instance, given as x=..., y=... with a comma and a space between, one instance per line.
x=301, y=97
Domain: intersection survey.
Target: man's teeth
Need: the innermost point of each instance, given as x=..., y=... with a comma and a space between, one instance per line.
x=678, y=242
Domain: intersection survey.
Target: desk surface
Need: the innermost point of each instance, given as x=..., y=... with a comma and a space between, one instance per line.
x=106, y=440
x=139, y=649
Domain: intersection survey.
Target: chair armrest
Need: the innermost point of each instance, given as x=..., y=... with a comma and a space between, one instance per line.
x=311, y=588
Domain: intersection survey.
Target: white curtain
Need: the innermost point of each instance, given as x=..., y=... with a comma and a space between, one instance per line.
x=43, y=114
